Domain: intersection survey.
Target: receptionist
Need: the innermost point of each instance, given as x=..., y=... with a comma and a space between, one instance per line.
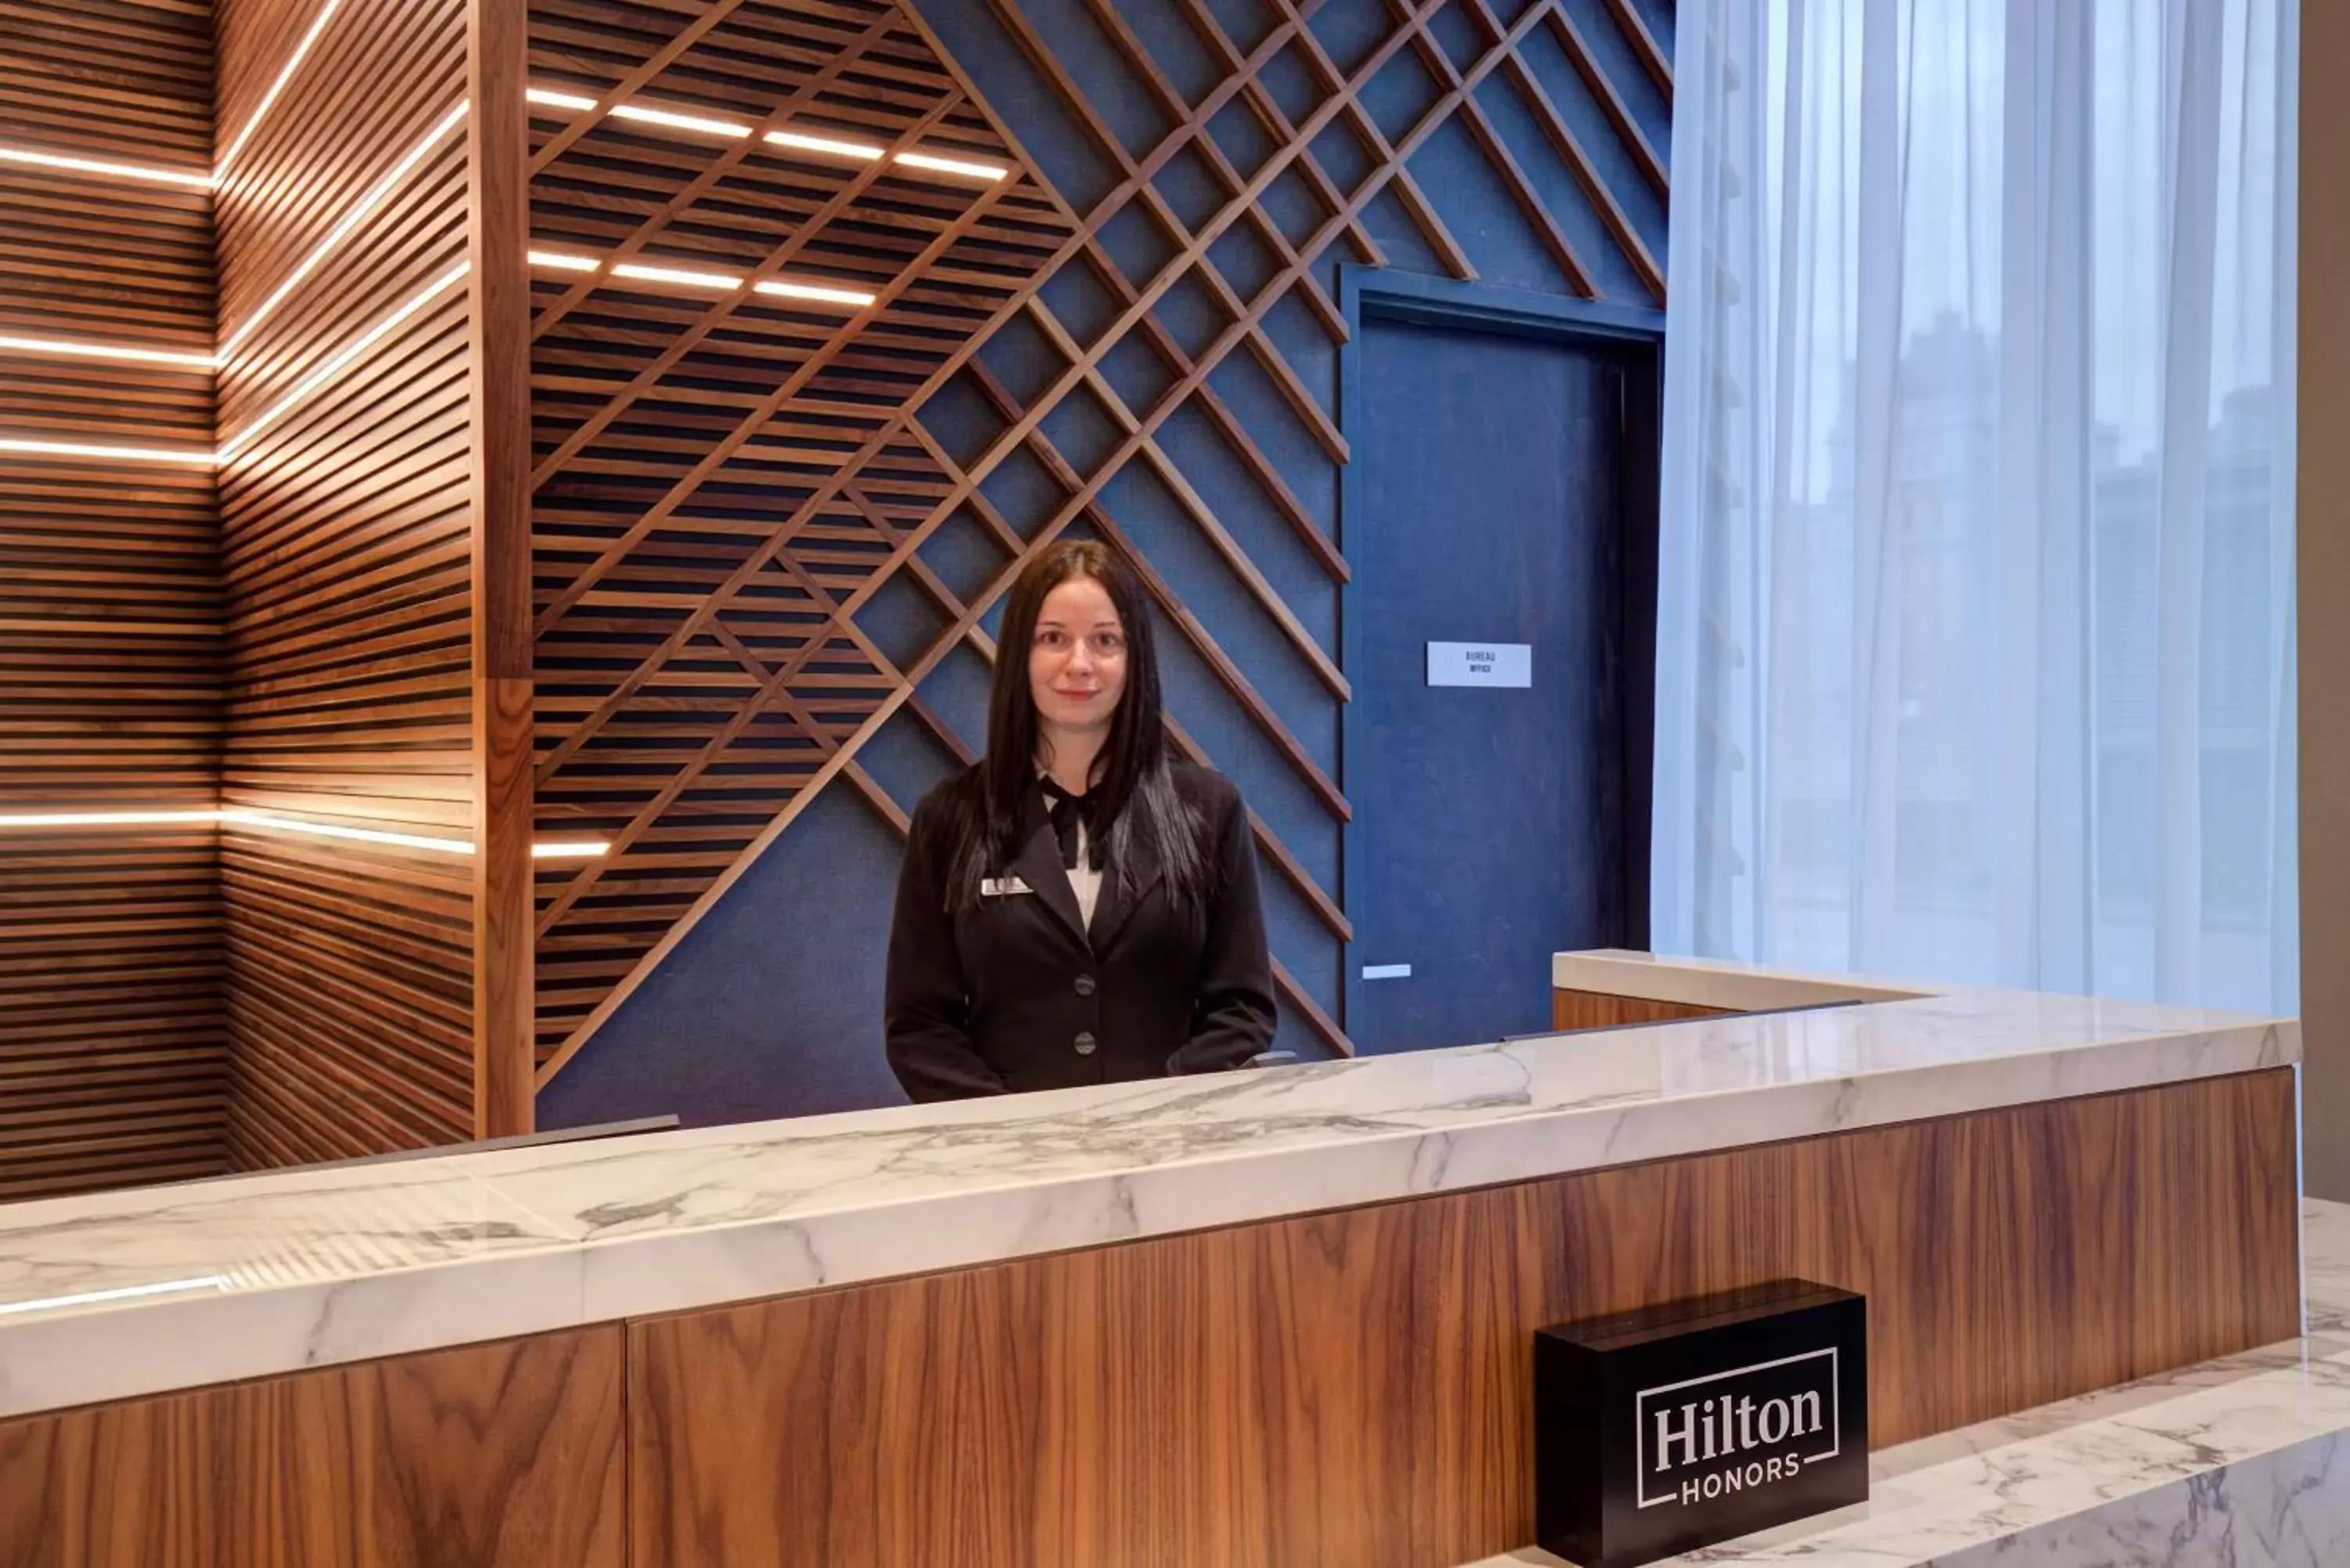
x=1076, y=908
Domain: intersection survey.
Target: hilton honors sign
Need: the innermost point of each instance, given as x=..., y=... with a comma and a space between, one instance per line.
x=1668, y=1428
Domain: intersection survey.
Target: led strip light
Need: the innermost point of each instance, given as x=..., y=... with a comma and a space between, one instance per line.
x=683, y=276
x=284, y=74
x=796, y=141
x=187, y=178
x=341, y=359
x=372, y=198
x=59, y=346
x=35, y=159
x=38, y=158
x=236, y=816
x=368, y=202
x=193, y=457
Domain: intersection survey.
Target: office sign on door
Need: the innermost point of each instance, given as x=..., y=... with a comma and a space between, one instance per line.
x=1481, y=664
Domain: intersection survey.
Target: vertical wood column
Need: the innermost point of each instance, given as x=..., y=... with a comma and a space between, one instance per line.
x=498, y=220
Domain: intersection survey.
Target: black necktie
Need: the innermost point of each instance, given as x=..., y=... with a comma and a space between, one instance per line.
x=1067, y=811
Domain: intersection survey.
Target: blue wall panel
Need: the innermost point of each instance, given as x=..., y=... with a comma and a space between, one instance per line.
x=767, y=1008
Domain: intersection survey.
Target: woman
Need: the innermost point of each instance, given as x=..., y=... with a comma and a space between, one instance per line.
x=1074, y=908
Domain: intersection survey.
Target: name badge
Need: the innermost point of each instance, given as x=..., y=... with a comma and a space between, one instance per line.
x=997, y=887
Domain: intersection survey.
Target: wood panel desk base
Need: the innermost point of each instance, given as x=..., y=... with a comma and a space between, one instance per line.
x=1601, y=1010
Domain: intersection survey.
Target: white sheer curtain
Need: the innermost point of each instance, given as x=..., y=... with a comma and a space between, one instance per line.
x=1974, y=658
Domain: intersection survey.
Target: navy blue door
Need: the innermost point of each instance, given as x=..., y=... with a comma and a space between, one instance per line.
x=1491, y=826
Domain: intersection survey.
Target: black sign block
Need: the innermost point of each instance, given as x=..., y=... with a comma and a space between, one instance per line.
x=1671, y=1427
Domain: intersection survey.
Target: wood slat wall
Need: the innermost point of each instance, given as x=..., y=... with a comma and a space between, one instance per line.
x=111, y=1066
x=724, y=482
x=346, y=539
x=726, y=489
x=724, y=479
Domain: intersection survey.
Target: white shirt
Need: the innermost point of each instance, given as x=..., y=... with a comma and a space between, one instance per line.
x=1084, y=880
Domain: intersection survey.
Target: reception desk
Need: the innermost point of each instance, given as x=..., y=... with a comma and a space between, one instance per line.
x=1280, y=1317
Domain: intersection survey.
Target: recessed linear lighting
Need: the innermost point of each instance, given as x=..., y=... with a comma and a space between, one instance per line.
x=855, y=296
x=701, y=277
x=192, y=456
x=240, y=819
x=688, y=278
x=106, y=818
x=831, y=146
x=563, y=260
x=675, y=122
x=334, y=365
x=106, y=351
x=341, y=359
x=570, y=849
x=284, y=74
x=952, y=166
x=706, y=125
x=798, y=142
x=116, y=1293
x=37, y=159
x=544, y=849
x=369, y=200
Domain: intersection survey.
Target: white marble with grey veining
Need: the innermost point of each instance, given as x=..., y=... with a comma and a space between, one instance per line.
x=2243, y=1462
x=1715, y=982
x=268, y=1273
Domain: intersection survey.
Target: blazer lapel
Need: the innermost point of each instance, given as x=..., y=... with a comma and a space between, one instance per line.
x=1114, y=904
x=1038, y=864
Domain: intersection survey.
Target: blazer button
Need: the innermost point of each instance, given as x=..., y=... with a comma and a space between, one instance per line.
x=1085, y=1044
x=1084, y=985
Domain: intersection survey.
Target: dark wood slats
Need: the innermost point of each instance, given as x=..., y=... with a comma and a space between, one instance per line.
x=125, y=81
x=111, y=1046
x=722, y=478
x=112, y=1053
x=721, y=482
x=346, y=537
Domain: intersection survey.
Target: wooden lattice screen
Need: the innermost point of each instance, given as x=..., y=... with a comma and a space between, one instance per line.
x=726, y=475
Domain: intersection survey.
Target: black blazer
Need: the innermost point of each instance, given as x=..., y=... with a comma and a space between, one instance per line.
x=1014, y=994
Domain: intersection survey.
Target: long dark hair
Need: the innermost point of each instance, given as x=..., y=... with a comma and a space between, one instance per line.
x=1133, y=784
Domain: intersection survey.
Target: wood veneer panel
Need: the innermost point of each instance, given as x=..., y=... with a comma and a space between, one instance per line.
x=506, y=1454
x=1352, y=1388
x=1604, y=1010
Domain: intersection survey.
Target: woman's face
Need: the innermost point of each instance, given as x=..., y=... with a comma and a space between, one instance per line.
x=1076, y=666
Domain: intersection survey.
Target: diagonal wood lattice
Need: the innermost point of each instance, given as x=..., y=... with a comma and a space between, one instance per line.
x=727, y=477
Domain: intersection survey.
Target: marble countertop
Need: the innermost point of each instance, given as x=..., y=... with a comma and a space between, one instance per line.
x=118, y=1295
x=1708, y=982
x=2165, y=1471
